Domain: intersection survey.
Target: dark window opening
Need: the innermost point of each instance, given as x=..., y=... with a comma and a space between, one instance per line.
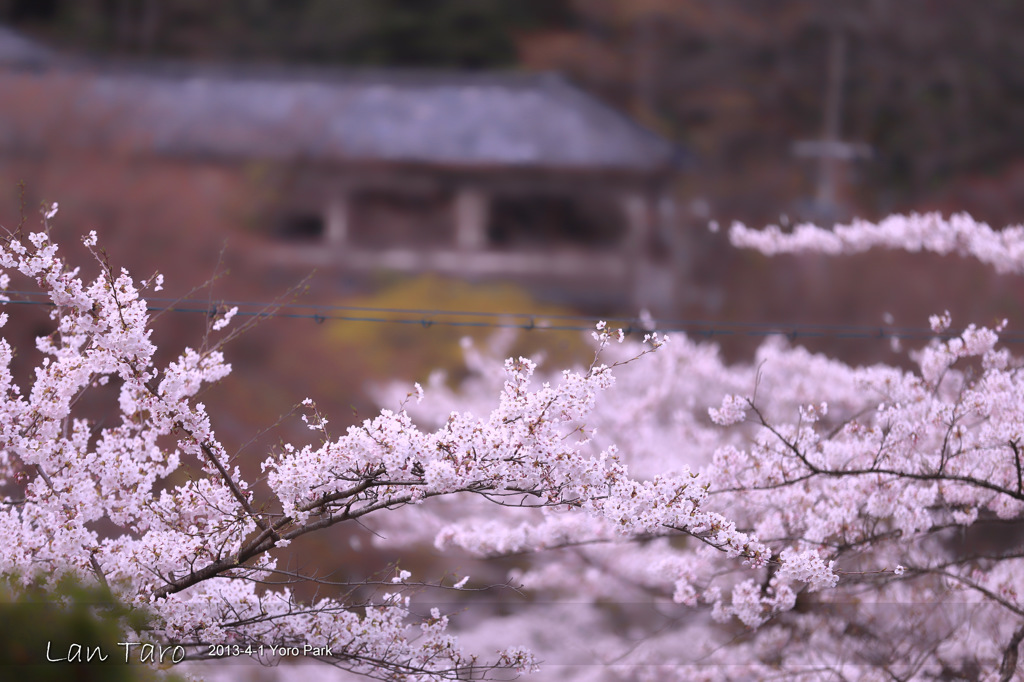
x=543, y=221
x=387, y=219
x=300, y=227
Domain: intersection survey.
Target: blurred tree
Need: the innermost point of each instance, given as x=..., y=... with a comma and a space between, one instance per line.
x=28, y=10
x=49, y=625
x=936, y=93
x=442, y=33
x=404, y=351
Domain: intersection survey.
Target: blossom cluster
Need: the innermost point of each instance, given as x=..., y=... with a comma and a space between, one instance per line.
x=671, y=515
x=874, y=515
x=150, y=503
x=188, y=539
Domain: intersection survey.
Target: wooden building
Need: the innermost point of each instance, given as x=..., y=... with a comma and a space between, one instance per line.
x=480, y=176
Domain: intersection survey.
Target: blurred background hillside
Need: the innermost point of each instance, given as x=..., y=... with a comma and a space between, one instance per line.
x=778, y=111
x=934, y=88
x=165, y=125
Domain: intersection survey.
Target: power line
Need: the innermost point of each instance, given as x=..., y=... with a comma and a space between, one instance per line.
x=428, y=318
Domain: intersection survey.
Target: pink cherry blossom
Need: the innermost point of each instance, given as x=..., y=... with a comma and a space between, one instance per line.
x=665, y=515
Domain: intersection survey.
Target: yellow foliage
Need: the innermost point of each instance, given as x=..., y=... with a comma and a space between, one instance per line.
x=414, y=344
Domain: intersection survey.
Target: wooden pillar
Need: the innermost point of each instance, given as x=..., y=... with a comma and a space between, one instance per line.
x=637, y=211
x=472, y=213
x=337, y=220
x=680, y=255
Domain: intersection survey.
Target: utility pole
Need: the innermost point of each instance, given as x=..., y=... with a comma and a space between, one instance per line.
x=830, y=150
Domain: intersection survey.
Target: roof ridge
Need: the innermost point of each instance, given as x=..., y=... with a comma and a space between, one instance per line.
x=16, y=48
x=453, y=118
x=174, y=69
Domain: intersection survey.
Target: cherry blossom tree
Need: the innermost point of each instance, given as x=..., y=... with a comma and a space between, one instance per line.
x=671, y=516
x=890, y=502
x=155, y=509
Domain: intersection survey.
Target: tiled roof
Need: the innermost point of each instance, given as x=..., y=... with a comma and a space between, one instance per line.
x=470, y=120
x=16, y=49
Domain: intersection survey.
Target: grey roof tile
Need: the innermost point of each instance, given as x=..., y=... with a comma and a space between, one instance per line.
x=17, y=50
x=471, y=120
